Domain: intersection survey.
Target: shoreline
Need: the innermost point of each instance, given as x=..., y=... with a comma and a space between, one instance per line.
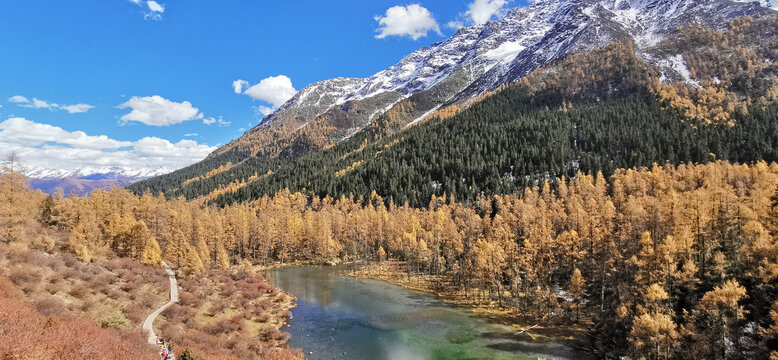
x=537, y=332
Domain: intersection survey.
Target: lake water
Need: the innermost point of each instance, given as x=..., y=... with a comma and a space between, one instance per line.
x=340, y=317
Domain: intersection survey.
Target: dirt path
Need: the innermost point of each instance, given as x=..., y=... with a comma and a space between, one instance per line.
x=148, y=324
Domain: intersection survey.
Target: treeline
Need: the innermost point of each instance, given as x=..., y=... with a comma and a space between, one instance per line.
x=668, y=262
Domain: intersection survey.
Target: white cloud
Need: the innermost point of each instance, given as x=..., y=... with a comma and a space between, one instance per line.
x=41, y=104
x=275, y=90
x=36, y=103
x=155, y=6
x=77, y=108
x=481, y=11
x=264, y=110
x=455, y=24
x=219, y=122
x=47, y=146
x=238, y=85
x=191, y=135
x=34, y=134
x=152, y=10
x=18, y=99
x=158, y=111
x=413, y=20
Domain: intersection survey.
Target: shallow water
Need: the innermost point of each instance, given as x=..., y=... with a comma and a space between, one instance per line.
x=339, y=317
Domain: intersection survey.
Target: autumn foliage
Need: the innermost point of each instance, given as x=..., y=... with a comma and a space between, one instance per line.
x=25, y=333
x=671, y=262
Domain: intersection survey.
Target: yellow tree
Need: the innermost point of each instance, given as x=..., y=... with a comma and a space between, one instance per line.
x=175, y=250
x=151, y=254
x=490, y=260
x=577, y=290
x=222, y=258
x=79, y=244
x=204, y=253
x=716, y=318
x=654, y=335
x=18, y=207
x=190, y=262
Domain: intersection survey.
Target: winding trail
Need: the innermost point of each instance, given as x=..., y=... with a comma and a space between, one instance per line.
x=148, y=324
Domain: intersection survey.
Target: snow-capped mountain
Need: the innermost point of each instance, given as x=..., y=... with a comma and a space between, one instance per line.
x=92, y=172
x=83, y=180
x=482, y=58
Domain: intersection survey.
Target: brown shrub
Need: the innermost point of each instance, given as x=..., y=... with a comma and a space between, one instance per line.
x=25, y=334
x=69, y=259
x=129, y=286
x=265, y=304
x=70, y=273
x=225, y=326
x=190, y=300
x=270, y=334
x=55, y=263
x=115, y=294
x=56, y=277
x=79, y=291
x=228, y=289
x=19, y=255
x=53, y=288
x=263, y=318
x=27, y=279
x=284, y=354
x=135, y=312
x=240, y=275
x=172, y=332
x=179, y=313
x=50, y=306
x=23, y=275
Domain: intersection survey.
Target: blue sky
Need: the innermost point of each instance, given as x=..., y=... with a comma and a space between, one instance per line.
x=161, y=71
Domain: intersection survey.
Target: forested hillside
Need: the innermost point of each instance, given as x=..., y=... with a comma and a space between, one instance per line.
x=596, y=111
x=667, y=262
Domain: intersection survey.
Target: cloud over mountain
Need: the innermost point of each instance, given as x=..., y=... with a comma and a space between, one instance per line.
x=41, y=145
x=414, y=21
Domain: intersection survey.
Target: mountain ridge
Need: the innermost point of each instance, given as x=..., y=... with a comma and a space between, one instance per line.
x=501, y=42
x=452, y=73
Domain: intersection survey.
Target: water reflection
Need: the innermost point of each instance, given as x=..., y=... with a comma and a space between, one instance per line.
x=345, y=318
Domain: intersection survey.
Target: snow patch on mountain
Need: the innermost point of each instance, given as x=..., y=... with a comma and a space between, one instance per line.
x=506, y=52
x=677, y=64
x=771, y=4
